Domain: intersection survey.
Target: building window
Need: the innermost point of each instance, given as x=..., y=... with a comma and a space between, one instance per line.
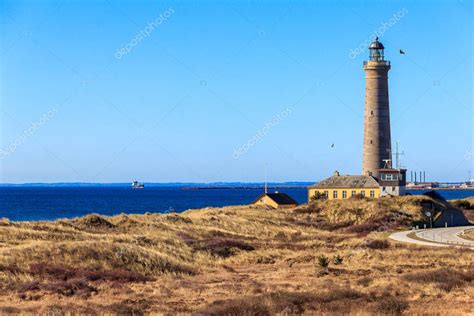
x=353, y=193
x=383, y=176
x=383, y=188
x=391, y=177
x=372, y=194
x=334, y=194
x=344, y=194
x=393, y=189
x=362, y=193
x=326, y=194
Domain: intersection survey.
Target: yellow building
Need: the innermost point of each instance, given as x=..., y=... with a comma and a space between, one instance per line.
x=344, y=187
x=275, y=200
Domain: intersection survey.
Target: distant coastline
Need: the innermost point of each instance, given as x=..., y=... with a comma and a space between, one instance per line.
x=247, y=187
x=442, y=189
x=206, y=186
x=187, y=185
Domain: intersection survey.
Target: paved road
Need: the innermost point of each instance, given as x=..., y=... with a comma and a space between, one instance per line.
x=437, y=237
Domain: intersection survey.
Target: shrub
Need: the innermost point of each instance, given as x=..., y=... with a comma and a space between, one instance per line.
x=10, y=310
x=188, y=239
x=10, y=268
x=65, y=273
x=325, y=225
x=338, y=294
x=28, y=286
x=338, y=260
x=391, y=305
x=462, y=204
x=365, y=281
x=93, y=221
x=358, y=196
x=69, y=288
x=318, y=223
x=308, y=209
x=318, y=196
x=377, y=244
x=221, y=247
x=177, y=218
x=129, y=307
x=446, y=279
x=363, y=229
x=281, y=236
x=237, y=307
x=323, y=261
x=287, y=303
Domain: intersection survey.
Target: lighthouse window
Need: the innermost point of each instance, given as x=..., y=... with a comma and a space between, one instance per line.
x=371, y=142
x=371, y=112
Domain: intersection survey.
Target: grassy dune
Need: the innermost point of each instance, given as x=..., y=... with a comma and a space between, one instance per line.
x=469, y=235
x=329, y=257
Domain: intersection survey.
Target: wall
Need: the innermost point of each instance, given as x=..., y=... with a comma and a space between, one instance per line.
x=392, y=190
x=311, y=192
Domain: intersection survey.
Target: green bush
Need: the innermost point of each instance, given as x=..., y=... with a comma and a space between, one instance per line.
x=338, y=259
x=318, y=196
x=323, y=261
x=462, y=204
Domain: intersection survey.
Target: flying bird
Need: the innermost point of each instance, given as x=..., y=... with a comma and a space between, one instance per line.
x=402, y=52
x=332, y=146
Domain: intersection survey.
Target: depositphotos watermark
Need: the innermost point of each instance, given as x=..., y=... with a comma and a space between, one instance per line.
x=378, y=33
x=144, y=33
x=277, y=119
x=27, y=133
x=469, y=154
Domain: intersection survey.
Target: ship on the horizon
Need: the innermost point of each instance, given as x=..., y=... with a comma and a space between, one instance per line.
x=468, y=184
x=137, y=185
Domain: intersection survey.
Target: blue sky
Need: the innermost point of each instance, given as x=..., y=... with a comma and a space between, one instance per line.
x=209, y=76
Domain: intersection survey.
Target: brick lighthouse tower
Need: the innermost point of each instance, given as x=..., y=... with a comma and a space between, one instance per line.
x=377, y=141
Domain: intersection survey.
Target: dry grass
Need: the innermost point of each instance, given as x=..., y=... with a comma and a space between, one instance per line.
x=469, y=234
x=233, y=260
x=467, y=206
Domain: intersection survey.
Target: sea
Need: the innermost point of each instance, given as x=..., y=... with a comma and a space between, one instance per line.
x=51, y=203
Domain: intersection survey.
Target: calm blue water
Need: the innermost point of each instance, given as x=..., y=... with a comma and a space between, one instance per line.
x=28, y=203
